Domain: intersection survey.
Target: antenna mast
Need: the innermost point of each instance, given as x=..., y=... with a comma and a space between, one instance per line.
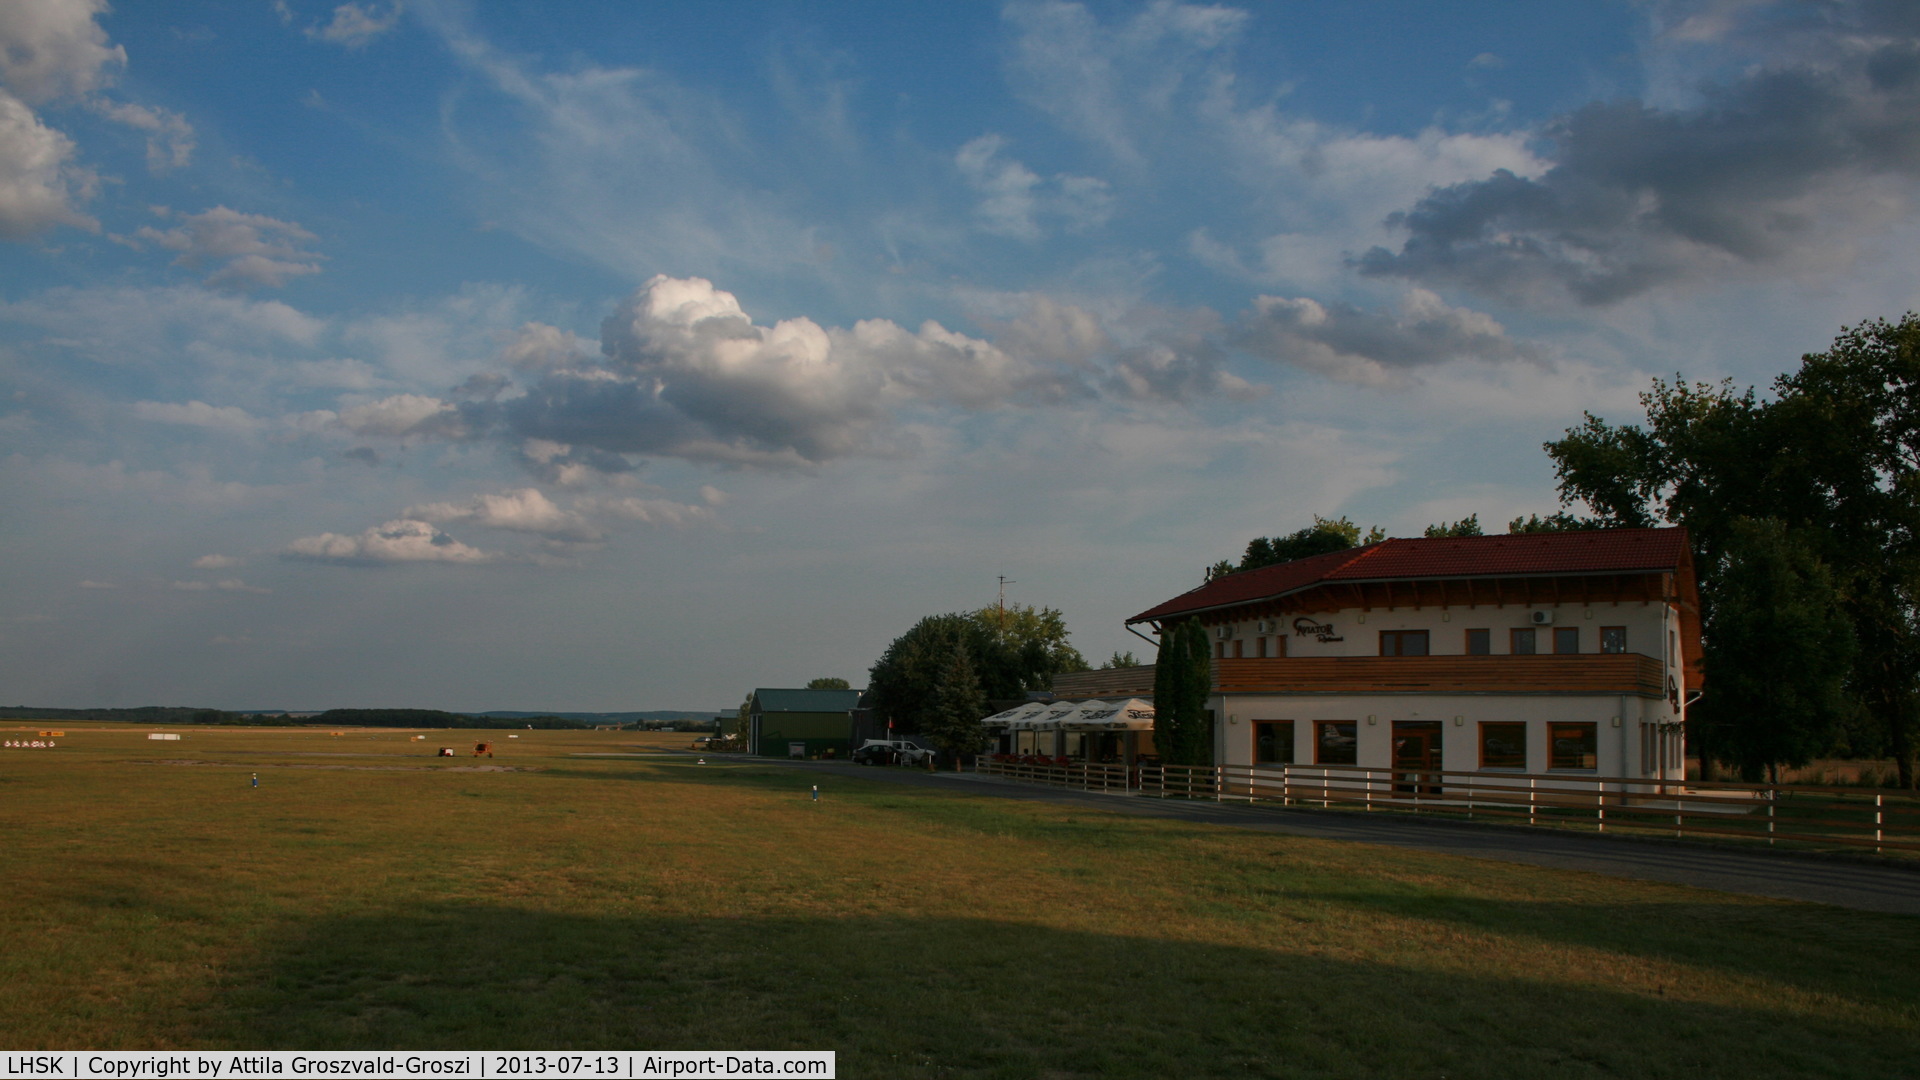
x=1004, y=582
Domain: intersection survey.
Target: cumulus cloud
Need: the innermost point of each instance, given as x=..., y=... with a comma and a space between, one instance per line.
x=1794, y=160
x=1375, y=347
x=355, y=25
x=1013, y=198
x=53, y=48
x=216, y=562
x=197, y=414
x=399, y=541
x=40, y=186
x=245, y=250
x=523, y=510
x=687, y=373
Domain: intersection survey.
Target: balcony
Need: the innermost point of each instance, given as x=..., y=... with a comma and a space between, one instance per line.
x=1581, y=673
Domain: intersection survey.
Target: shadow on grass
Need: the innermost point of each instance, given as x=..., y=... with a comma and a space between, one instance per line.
x=957, y=997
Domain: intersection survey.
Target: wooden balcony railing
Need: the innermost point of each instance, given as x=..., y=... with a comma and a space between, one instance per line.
x=1582, y=673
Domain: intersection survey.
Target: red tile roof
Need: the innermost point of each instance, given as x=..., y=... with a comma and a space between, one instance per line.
x=1608, y=551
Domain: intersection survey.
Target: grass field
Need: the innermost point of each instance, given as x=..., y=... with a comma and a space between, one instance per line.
x=368, y=895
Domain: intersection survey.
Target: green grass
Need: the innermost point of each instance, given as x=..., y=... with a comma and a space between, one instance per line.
x=654, y=903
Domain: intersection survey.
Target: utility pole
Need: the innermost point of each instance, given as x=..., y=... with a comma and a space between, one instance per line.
x=1004, y=582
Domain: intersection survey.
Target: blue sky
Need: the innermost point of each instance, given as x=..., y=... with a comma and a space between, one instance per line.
x=618, y=356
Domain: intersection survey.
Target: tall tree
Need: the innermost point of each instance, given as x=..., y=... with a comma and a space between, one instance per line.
x=1120, y=660
x=1009, y=653
x=1182, y=683
x=1780, y=652
x=1835, y=456
x=1323, y=536
x=951, y=721
x=828, y=682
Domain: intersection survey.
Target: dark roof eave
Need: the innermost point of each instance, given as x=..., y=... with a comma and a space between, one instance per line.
x=1382, y=580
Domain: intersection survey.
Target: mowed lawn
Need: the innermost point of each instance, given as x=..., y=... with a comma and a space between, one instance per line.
x=369, y=895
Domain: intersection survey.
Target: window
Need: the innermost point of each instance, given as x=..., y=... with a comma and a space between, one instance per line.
x=1566, y=639
x=1503, y=746
x=1336, y=742
x=1239, y=648
x=1273, y=742
x=1479, y=642
x=1403, y=643
x=1522, y=642
x=1613, y=639
x=1573, y=746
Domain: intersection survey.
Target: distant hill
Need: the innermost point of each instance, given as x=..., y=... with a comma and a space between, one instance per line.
x=668, y=715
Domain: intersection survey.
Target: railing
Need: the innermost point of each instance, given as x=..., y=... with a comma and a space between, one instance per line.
x=1079, y=776
x=1576, y=673
x=1884, y=820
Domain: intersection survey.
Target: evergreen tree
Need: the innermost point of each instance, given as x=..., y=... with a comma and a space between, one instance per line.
x=952, y=719
x=1182, y=683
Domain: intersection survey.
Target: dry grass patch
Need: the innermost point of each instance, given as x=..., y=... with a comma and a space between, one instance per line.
x=623, y=902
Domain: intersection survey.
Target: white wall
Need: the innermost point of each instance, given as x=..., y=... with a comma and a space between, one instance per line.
x=1359, y=631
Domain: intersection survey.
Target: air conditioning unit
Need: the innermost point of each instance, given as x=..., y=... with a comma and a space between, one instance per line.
x=1223, y=632
x=1543, y=618
x=1265, y=626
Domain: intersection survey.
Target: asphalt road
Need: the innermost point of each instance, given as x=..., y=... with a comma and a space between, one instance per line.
x=1840, y=882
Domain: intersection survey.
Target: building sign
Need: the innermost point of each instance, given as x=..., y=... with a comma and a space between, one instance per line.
x=1305, y=627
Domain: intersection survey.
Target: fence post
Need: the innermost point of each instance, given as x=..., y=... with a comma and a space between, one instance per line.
x=1530, y=801
x=1879, y=819
x=1600, y=802
x=1219, y=783
x=1773, y=796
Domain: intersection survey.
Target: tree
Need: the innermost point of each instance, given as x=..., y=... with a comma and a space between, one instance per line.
x=1120, y=660
x=1323, y=536
x=1009, y=652
x=1834, y=457
x=1558, y=522
x=1466, y=526
x=1182, y=683
x=1780, y=649
x=952, y=718
x=828, y=683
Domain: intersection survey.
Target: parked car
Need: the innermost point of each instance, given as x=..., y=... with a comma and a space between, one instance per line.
x=891, y=752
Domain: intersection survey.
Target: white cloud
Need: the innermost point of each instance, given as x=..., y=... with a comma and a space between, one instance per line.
x=355, y=25
x=52, y=48
x=216, y=562
x=197, y=414
x=522, y=510
x=170, y=139
x=398, y=541
x=223, y=585
x=98, y=585
x=1014, y=197
x=39, y=185
x=401, y=416
x=654, y=511
x=117, y=326
x=248, y=249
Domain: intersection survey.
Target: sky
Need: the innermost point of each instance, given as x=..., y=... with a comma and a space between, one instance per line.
x=613, y=356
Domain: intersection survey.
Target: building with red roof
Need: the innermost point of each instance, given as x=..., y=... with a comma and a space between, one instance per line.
x=1570, y=652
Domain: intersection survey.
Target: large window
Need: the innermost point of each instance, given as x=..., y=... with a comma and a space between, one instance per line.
x=1336, y=742
x=1573, y=746
x=1479, y=642
x=1273, y=742
x=1566, y=639
x=1403, y=643
x=1503, y=746
x=1613, y=639
x=1522, y=642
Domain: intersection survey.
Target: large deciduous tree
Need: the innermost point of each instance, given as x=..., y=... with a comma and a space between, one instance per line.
x=1834, y=458
x=1008, y=652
